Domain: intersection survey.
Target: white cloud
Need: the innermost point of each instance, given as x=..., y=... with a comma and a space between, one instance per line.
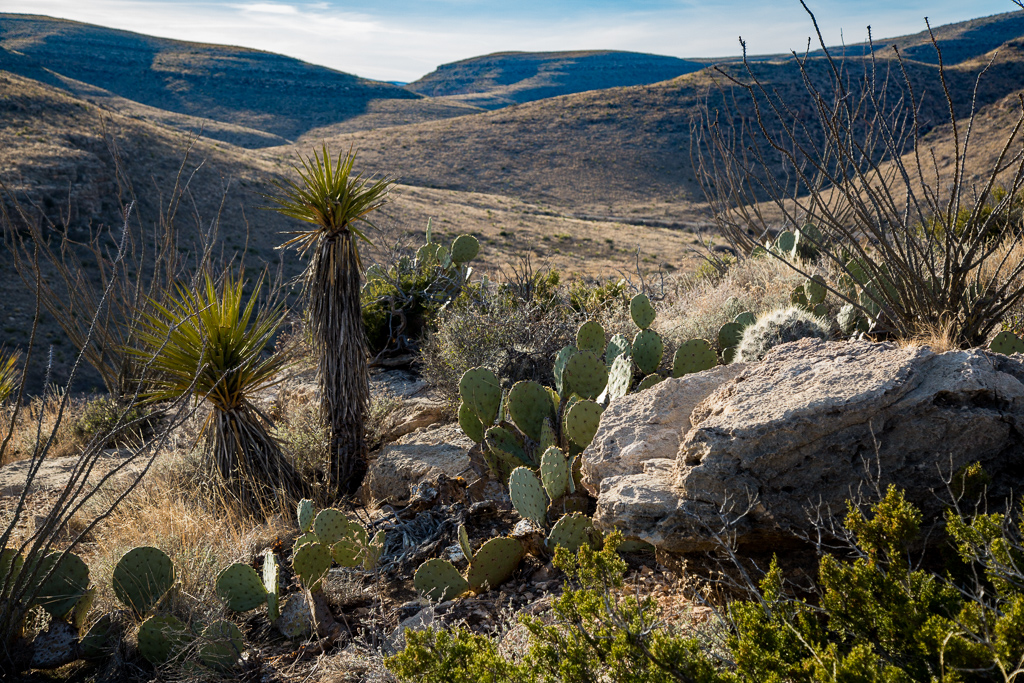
x=268, y=8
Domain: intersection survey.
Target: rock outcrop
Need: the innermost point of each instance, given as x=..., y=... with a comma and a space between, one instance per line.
x=813, y=425
x=417, y=457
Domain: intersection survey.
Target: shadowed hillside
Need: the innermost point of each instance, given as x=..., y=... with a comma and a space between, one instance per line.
x=505, y=78
x=280, y=96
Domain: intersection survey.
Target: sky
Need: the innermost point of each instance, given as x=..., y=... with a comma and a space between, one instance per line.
x=401, y=40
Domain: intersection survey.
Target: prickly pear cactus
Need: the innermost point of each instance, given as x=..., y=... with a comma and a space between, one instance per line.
x=162, y=637
x=730, y=335
x=693, y=356
x=505, y=443
x=465, y=248
x=620, y=377
x=305, y=514
x=481, y=391
x=464, y=545
x=850, y=320
x=347, y=553
x=99, y=640
x=746, y=318
x=815, y=290
x=1006, y=343
x=581, y=422
x=585, y=374
x=590, y=337
x=142, y=577
x=648, y=382
x=798, y=297
x=642, y=312
x=548, y=437
x=374, y=550
x=527, y=493
x=240, y=587
x=785, y=243
x=648, y=349
x=554, y=472
x=558, y=370
x=66, y=585
x=271, y=574
x=310, y=562
x=470, y=423
x=222, y=646
x=494, y=563
x=331, y=525
x=529, y=405
x=618, y=345
x=571, y=532
x=438, y=580
x=295, y=622
x=80, y=612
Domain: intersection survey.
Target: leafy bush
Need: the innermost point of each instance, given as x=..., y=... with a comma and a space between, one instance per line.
x=875, y=615
x=114, y=424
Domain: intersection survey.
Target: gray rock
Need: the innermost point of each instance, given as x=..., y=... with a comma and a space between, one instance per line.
x=648, y=425
x=813, y=425
x=416, y=458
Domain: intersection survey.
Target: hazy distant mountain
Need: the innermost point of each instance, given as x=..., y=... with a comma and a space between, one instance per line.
x=504, y=78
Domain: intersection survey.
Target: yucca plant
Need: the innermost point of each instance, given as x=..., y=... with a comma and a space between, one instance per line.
x=336, y=201
x=8, y=374
x=208, y=340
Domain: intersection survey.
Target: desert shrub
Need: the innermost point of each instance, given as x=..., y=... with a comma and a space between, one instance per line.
x=875, y=615
x=779, y=327
x=494, y=328
x=397, y=310
x=589, y=298
x=106, y=419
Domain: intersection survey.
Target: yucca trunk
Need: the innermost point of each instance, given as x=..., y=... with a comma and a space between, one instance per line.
x=337, y=326
x=249, y=461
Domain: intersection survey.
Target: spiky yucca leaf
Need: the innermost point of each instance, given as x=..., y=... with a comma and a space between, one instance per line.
x=212, y=341
x=8, y=374
x=334, y=200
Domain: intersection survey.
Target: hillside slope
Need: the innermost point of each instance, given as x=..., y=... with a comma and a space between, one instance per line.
x=504, y=78
x=260, y=91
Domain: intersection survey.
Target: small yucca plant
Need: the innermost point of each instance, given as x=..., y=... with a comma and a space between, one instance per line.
x=335, y=201
x=210, y=341
x=9, y=375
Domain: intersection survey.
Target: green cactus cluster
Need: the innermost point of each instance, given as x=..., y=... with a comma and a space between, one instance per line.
x=804, y=243
x=332, y=536
x=489, y=567
x=1006, y=343
x=779, y=327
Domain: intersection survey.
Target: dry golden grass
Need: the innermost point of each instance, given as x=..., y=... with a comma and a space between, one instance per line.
x=35, y=424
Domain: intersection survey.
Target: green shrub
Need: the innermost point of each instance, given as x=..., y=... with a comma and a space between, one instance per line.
x=107, y=419
x=876, y=615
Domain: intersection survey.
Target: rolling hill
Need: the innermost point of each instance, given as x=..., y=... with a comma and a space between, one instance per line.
x=504, y=78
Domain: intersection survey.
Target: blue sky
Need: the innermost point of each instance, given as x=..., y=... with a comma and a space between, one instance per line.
x=401, y=40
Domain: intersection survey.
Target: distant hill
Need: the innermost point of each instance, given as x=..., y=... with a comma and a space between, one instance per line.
x=252, y=91
x=505, y=78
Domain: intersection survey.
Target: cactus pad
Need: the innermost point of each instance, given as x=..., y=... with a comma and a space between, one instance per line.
x=494, y=563
x=590, y=337
x=481, y=390
x=311, y=562
x=585, y=374
x=438, y=580
x=142, y=577
x=1006, y=343
x=649, y=381
x=80, y=612
x=240, y=587
x=558, y=370
x=270, y=584
x=648, y=350
x=470, y=423
x=798, y=297
x=162, y=637
x=527, y=493
x=641, y=310
x=815, y=290
x=331, y=525
x=303, y=540
x=465, y=248
x=305, y=514
x=464, y=544
x=374, y=550
x=505, y=443
x=554, y=472
x=347, y=553
x=66, y=585
x=693, y=356
x=529, y=405
x=571, y=532
x=99, y=640
x=295, y=621
x=746, y=318
x=222, y=646
x=620, y=377
x=581, y=422
x=547, y=437
x=618, y=345
x=785, y=243
x=730, y=334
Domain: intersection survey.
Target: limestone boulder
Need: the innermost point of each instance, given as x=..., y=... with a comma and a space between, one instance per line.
x=411, y=403
x=648, y=425
x=415, y=458
x=813, y=425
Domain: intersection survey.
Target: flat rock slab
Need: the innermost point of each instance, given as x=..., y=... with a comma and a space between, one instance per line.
x=813, y=425
x=417, y=457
